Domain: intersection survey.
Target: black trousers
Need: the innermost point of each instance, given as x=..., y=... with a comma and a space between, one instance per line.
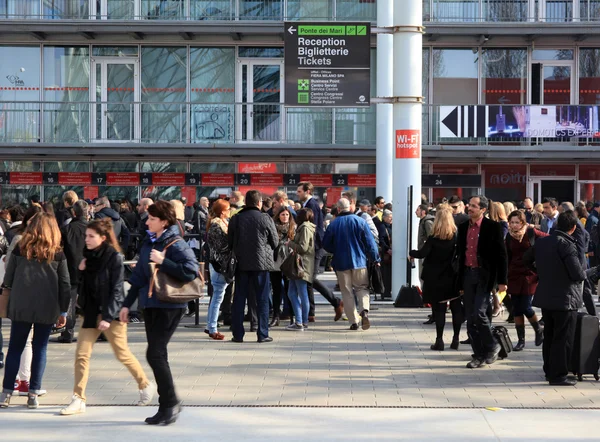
x=277, y=287
x=69, y=332
x=319, y=287
x=1, y=343
x=386, y=273
x=559, y=337
x=160, y=324
x=588, y=300
x=477, y=311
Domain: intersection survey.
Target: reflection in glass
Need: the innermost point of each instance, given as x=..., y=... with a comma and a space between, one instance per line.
x=211, y=9
x=266, y=117
x=589, y=76
x=13, y=195
x=119, y=192
x=66, y=166
x=425, y=89
x=355, y=126
x=557, y=84
x=514, y=10
x=161, y=193
x=118, y=9
x=20, y=166
x=356, y=10
x=213, y=192
x=558, y=11
x=355, y=168
x=163, y=167
x=589, y=10
x=309, y=125
x=20, y=9
x=309, y=10
x=117, y=166
x=455, y=76
x=261, y=9
x=163, y=9
x=115, y=51
x=309, y=168
x=504, y=76
x=553, y=54
x=65, y=9
x=260, y=52
x=120, y=96
x=211, y=167
x=54, y=194
x=455, y=10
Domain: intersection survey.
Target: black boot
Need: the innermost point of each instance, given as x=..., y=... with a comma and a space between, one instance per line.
x=539, y=333
x=439, y=345
x=455, y=342
x=521, y=335
x=274, y=321
x=171, y=414
x=158, y=418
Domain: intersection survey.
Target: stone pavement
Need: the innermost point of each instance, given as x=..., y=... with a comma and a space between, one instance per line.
x=389, y=365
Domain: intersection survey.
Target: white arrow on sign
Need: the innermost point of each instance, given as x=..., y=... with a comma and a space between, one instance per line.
x=291, y=30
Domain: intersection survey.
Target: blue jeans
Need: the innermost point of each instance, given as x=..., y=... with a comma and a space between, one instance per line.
x=298, y=294
x=219, y=286
x=18, y=338
x=258, y=283
x=522, y=305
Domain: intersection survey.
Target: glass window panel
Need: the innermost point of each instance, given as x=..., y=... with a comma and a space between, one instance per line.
x=455, y=76
x=66, y=166
x=589, y=76
x=558, y=10
x=13, y=195
x=54, y=194
x=261, y=167
x=115, y=51
x=120, y=96
x=163, y=167
x=425, y=92
x=164, y=79
x=162, y=193
x=501, y=10
x=589, y=10
x=20, y=166
x=355, y=126
x=354, y=168
x=309, y=125
x=590, y=191
x=310, y=168
x=443, y=194
x=590, y=172
x=314, y=10
x=557, y=84
x=455, y=10
x=552, y=170
x=553, y=54
x=116, y=166
x=504, y=77
x=261, y=9
x=209, y=167
x=66, y=91
x=66, y=9
x=118, y=9
x=356, y=10
x=460, y=169
x=260, y=52
x=505, y=182
x=163, y=9
x=20, y=9
x=119, y=192
x=211, y=9
x=213, y=192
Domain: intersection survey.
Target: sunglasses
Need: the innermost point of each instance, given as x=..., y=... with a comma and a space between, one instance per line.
x=454, y=207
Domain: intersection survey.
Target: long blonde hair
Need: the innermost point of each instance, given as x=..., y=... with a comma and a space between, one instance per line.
x=443, y=226
x=497, y=212
x=41, y=239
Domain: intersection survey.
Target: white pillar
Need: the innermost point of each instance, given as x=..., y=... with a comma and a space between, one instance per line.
x=408, y=72
x=385, y=138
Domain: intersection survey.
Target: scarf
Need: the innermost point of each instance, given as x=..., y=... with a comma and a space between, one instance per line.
x=519, y=234
x=96, y=260
x=222, y=224
x=282, y=230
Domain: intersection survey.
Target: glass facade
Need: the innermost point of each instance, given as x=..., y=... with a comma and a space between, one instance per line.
x=455, y=75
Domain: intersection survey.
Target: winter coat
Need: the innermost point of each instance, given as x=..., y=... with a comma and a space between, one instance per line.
x=304, y=245
x=385, y=236
x=313, y=205
x=40, y=291
x=561, y=276
x=425, y=229
x=349, y=239
x=180, y=262
x=369, y=219
x=200, y=219
x=591, y=225
x=217, y=244
x=253, y=237
x=73, y=240
x=522, y=280
x=119, y=227
x=439, y=279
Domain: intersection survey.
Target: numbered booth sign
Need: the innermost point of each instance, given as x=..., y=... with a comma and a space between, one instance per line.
x=243, y=179
x=145, y=179
x=291, y=179
x=192, y=179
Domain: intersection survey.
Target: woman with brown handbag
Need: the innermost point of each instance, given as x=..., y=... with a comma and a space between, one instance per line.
x=164, y=247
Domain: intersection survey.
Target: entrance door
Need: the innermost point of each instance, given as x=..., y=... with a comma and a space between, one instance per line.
x=115, y=9
x=563, y=189
x=552, y=83
x=115, y=114
x=259, y=115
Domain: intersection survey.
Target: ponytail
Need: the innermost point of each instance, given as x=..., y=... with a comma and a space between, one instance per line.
x=104, y=227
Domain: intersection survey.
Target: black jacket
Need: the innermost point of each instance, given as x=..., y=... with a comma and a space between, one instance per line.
x=119, y=227
x=313, y=205
x=460, y=218
x=73, y=240
x=253, y=237
x=560, y=273
x=491, y=254
x=439, y=279
x=385, y=236
x=63, y=216
x=40, y=290
x=200, y=219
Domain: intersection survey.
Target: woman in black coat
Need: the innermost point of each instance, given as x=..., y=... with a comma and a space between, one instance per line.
x=385, y=249
x=439, y=278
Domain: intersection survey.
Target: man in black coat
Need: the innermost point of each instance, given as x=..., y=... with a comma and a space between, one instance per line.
x=103, y=210
x=253, y=237
x=73, y=240
x=559, y=295
x=482, y=264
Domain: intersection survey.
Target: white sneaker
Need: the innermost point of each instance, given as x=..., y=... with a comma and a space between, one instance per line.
x=147, y=394
x=76, y=406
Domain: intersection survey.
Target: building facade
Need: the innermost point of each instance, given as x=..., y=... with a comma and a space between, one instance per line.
x=174, y=98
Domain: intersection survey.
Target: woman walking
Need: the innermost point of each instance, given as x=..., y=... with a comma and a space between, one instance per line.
x=303, y=244
x=218, y=256
x=38, y=277
x=160, y=318
x=439, y=278
x=286, y=229
x=522, y=281
x=101, y=297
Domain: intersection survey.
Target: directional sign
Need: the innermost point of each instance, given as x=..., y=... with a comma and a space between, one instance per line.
x=327, y=64
x=463, y=121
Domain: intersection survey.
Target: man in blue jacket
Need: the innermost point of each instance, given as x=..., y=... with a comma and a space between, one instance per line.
x=349, y=239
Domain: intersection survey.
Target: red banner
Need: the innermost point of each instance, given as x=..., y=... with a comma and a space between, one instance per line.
x=74, y=178
x=317, y=180
x=90, y=192
x=190, y=194
x=355, y=180
x=267, y=179
x=168, y=179
x=333, y=195
x=217, y=179
x=257, y=167
x=123, y=179
x=25, y=178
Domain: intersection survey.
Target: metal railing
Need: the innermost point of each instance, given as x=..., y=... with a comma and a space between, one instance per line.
x=188, y=123
x=189, y=9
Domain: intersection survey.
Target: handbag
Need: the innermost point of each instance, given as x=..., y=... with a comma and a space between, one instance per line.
x=280, y=253
x=228, y=267
x=170, y=289
x=292, y=267
x=4, y=297
x=376, y=278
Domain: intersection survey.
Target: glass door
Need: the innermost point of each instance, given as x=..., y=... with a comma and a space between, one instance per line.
x=563, y=189
x=115, y=114
x=556, y=84
x=259, y=94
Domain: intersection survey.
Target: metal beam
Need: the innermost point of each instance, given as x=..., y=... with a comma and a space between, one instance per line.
x=236, y=36
x=136, y=35
x=187, y=35
x=38, y=35
x=88, y=35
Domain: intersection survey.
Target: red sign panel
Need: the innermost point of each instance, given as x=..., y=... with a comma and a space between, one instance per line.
x=122, y=179
x=267, y=179
x=333, y=195
x=25, y=178
x=74, y=178
x=217, y=179
x=408, y=143
x=317, y=180
x=190, y=195
x=90, y=192
x=168, y=179
x=369, y=180
x=257, y=168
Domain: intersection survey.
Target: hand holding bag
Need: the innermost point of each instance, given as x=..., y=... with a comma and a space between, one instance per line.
x=376, y=278
x=172, y=290
x=292, y=266
x=4, y=297
x=281, y=252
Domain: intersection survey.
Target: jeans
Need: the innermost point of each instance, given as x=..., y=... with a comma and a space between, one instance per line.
x=477, y=304
x=298, y=294
x=69, y=332
x=160, y=325
x=251, y=285
x=219, y=285
x=522, y=306
x=19, y=331
x=559, y=336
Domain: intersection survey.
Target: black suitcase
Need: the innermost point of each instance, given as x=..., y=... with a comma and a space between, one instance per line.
x=409, y=296
x=501, y=335
x=586, y=348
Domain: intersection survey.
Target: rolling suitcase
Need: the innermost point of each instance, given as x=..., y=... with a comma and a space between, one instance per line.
x=586, y=347
x=501, y=335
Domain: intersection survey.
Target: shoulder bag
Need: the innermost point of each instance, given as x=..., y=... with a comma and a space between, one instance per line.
x=292, y=266
x=376, y=278
x=171, y=290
